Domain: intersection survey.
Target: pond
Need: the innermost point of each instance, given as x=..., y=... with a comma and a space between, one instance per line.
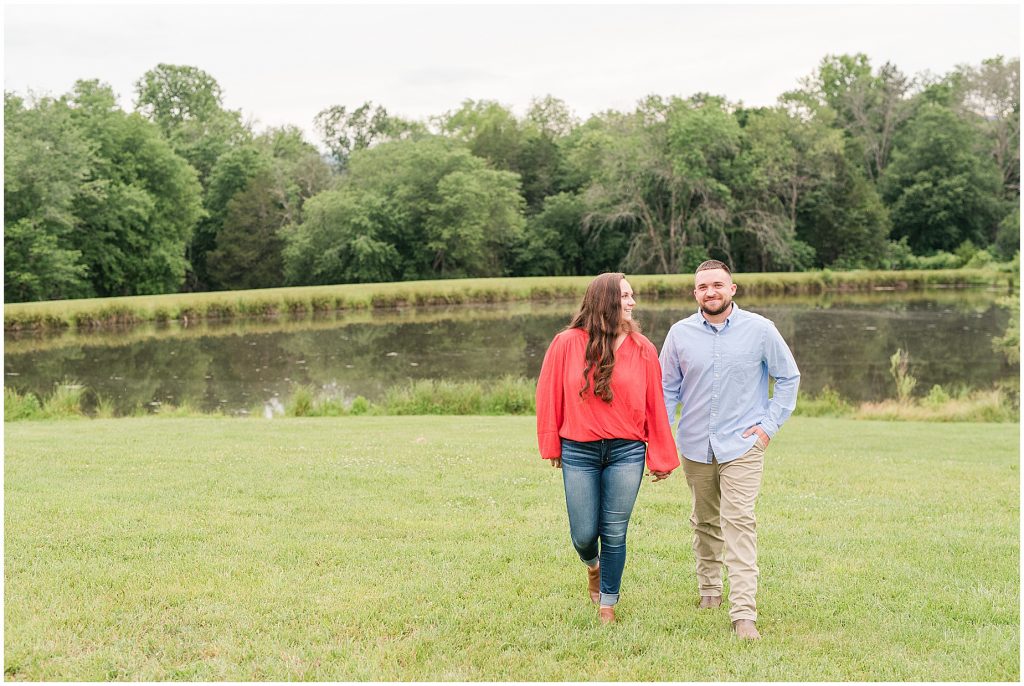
x=842, y=341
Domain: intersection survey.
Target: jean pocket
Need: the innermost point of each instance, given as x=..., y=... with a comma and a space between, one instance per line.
x=578, y=453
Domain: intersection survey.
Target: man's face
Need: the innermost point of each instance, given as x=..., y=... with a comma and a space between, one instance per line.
x=714, y=290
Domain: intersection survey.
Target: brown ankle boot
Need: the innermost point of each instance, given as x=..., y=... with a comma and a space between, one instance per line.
x=745, y=628
x=710, y=602
x=606, y=614
x=594, y=583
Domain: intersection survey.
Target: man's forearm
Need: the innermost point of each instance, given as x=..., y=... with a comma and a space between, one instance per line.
x=782, y=404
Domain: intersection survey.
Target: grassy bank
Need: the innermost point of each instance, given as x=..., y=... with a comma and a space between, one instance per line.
x=365, y=548
x=190, y=307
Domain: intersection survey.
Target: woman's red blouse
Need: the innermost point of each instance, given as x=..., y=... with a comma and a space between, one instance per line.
x=636, y=412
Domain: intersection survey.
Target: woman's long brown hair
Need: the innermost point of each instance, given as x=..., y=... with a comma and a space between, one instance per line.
x=600, y=316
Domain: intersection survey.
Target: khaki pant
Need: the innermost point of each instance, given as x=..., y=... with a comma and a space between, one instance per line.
x=723, y=517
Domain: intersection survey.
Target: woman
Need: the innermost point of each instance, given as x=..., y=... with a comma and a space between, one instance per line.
x=599, y=400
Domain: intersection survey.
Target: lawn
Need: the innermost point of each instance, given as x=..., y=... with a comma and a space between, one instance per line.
x=437, y=548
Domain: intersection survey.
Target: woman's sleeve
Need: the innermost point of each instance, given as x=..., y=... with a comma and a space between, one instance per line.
x=662, y=455
x=550, y=407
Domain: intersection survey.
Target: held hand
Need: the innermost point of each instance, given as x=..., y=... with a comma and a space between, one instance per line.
x=658, y=476
x=555, y=462
x=761, y=434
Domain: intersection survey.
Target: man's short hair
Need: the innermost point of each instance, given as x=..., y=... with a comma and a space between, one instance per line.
x=713, y=264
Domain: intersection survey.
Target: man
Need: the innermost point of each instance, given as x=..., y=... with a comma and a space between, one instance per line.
x=716, y=364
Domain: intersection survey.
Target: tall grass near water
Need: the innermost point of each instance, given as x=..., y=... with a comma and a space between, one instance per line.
x=66, y=401
x=514, y=395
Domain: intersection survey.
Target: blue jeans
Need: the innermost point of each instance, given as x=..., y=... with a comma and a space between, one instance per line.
x=601, y=481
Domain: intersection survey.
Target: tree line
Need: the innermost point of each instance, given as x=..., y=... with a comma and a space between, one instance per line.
x=858, y=167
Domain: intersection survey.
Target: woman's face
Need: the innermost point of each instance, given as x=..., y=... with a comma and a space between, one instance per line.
x=627, y=302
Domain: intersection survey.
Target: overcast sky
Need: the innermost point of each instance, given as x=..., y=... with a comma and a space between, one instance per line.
x=282, y=63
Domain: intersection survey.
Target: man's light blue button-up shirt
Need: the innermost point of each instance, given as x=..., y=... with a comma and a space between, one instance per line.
x=720, y=377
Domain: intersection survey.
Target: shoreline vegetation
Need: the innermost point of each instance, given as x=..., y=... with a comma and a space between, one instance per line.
x=99, y=313
x=511, y=396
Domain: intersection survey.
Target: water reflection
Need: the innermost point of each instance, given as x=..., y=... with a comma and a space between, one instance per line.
x=843, y=341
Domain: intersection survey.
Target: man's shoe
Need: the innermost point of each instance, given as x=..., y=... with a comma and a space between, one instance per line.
x=710, y=602
x=745, y=628
x=594, y=583
x=606, y=614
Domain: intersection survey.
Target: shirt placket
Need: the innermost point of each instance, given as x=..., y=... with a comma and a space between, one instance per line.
x=716, y=392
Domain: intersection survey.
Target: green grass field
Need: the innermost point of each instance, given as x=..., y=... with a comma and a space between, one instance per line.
x=437, y=548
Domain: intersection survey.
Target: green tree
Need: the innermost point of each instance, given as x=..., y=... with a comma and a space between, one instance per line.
x=300, y=168
x=1008, y=235
x=474, y=223
x=344, y=132
x=528, y=147
x=170, y=95
x=782, y=159
x=186, y=103
x=843, y=219
x=408, y=209
x=551, y=117
x=542, y=161
x=801, y=200
x=143, y=204
x=343, y=238
x=47, y=162
x=556, y=241
x=230, y=176
x=255, y=191
x=868, y=106
x=662, y=177
x=559, y=237
x=489, y=129
x=990, y=96
x=248, y=252
x=940, y=191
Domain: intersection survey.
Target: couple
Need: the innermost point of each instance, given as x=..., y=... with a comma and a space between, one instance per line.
x=605, y=403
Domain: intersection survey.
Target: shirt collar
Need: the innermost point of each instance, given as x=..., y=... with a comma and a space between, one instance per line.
x=719, y=327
